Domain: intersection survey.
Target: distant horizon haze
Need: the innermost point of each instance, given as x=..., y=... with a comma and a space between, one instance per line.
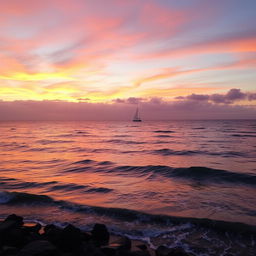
x=194, y=107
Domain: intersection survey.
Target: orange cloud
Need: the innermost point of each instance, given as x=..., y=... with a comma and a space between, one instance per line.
x=172, y=72
x=229, y=45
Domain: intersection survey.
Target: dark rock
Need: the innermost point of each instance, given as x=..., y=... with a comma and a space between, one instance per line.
x=12, y=221
x=142, y=247
x=86, y=236
x=52, y=234
x=164, y=251
x=16, y=237
x=70, y=239
x=7, y=225
x=17, y=219
x=178, y=252
x=109, y=251
x=89, y=249
x=49, y=227
x=8, y=251
x=39, y=248
x=133, y=253
x=124, y=244
x=100, y=234
x=33, y=229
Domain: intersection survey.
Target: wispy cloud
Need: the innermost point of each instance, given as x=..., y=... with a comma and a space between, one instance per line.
x=83, y=49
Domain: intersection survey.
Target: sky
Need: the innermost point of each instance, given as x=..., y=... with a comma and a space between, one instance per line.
x=99, y=59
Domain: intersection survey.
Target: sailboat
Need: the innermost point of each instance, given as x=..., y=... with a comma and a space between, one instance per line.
x=136, y=117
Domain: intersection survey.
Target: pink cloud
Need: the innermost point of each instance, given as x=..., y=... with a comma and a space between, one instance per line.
x=235, y=44
x=190, y=107
x=230, y=97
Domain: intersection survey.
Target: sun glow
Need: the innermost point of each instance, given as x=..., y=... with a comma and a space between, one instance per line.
x=84, y=51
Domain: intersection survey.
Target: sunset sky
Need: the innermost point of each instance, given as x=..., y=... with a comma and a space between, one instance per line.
x=120, y=52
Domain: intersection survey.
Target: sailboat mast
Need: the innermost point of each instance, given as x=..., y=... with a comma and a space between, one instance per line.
x=137, y=116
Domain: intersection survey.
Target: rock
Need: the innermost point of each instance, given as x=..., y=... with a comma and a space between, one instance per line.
x=142, y=247
x=52, y=234
x=33, y=229
x=12, y=221
x=8, y=251
x=6, y=225
x=133, y=253
x=179, y=252
x=86, y=236
x=39, y=248
x=17, y=219
x=89, y=249
x=70, y=239
x=100, y=234
x=108, y=251
x=164, y=251
x=16, y=237
x=123, y=244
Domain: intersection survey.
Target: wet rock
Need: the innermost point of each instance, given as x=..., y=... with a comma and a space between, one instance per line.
x=100, y=234
x=39, y=248
x=108, y=251
x=89, y=249
x=164, y=251
x=86, y=237
x=9, y=251
x=179, y=252
x=12, y=221
x=70, y=238
x=123, y=244
x=17, y=219
x=135, y=253
x=142, y=247
x=16, y=237
x=52, y=234
x=33, y=229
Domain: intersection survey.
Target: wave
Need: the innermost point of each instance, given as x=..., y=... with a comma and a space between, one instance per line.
x=99, y=190
x=195, y=173
x=24, y=198
x=244, y=135
x=198, y=128
x=81, y=132
x=16, y=198
x=164, y=131
x=169, y=152
x=125, y=142
x=11, y=183
x=46, y=142
x=164, y=136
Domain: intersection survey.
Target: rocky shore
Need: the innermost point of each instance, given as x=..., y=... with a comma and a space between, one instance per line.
x=19, y=239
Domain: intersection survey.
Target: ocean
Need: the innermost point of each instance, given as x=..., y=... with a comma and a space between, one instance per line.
x=178, y=183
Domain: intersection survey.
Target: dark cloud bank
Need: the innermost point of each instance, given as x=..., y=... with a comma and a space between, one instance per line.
x=195, y=106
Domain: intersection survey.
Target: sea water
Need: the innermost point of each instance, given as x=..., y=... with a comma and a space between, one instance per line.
x=179, y=183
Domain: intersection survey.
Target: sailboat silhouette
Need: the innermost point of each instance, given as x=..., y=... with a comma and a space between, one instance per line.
x=136, y=117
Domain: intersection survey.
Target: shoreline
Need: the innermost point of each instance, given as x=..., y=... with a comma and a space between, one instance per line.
x=190, y=237
x=32, y=239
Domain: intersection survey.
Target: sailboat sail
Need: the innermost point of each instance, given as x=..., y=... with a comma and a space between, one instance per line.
x=136, y=117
